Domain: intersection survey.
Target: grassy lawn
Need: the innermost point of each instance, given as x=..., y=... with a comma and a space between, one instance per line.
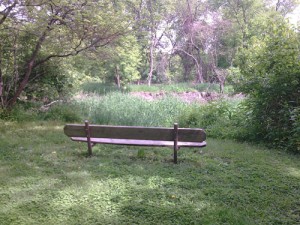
x=46, y=179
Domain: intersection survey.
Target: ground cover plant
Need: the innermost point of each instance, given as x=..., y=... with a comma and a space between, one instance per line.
x=47, y=179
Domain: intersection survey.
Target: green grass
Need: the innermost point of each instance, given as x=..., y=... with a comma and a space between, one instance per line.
x=47, y=179
x=180, y=87
x=124, y=109
x=101, y=89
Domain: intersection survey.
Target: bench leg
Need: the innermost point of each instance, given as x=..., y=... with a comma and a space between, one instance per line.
x=175, y=142
x=175, y=155
x=88, y=136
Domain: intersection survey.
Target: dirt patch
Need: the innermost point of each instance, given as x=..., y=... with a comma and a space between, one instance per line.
x=149, y=95
x=189, y=96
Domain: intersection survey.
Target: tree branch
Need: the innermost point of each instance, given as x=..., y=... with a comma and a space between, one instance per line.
x=7, y=11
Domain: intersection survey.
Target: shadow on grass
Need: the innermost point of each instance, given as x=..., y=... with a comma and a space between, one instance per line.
x=47, y=179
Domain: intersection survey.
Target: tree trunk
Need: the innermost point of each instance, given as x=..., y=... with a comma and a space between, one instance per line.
x=29, y=66
x=187, y=67
x=16, y=69
x=199, y=75
x=117, y=78
x=199, y=71
x=221, y=87
x=1, y=87
x=151, y=62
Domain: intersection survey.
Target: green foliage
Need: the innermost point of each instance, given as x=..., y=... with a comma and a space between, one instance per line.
x=294, y=142
x=51, y=83
x=220, y=119
x=62, y=112
x=271, y=77
x=234, y=76
x=123, y=60
x=35, y=36
x=124, y=109
x=21, y=113
x=180, y=87
x=101, y=88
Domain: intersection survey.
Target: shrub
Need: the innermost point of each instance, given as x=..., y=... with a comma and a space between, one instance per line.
x=271, y=77
x=220, y=119
x=51, y=83
x=294, y=143
x=20, y=113
x=62, y=112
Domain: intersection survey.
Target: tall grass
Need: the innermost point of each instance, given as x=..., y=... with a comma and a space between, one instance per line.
x=101, y=88
x=221, y=119
x=124, y=109
x=180, y=87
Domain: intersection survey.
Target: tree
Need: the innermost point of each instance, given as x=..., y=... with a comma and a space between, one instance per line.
x=188, y=43
x=52, y=29
x=271, y=78
x=122, y=60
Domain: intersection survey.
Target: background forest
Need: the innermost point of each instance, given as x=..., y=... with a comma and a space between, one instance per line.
x=50, y=49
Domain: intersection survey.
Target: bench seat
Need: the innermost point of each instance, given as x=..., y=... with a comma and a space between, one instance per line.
x=133, y=142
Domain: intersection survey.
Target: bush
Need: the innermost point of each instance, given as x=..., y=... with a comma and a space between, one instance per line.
x=271, y=78
x=221, y=119
x=51, y=83
x=21, y=112
x=63, y=112
x=294, y=143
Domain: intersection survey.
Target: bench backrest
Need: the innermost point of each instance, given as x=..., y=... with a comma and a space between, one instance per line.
x=134, y=132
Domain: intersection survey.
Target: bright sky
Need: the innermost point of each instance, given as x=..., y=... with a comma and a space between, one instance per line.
x=294, y=17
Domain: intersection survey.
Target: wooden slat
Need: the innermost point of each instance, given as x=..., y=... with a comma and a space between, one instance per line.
x=139, y=142
x=136, y=133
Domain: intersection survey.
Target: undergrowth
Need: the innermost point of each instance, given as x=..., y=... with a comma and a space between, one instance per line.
x=101, y=89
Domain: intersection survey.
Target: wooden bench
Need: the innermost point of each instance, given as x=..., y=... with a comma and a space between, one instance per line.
x=136, y=136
